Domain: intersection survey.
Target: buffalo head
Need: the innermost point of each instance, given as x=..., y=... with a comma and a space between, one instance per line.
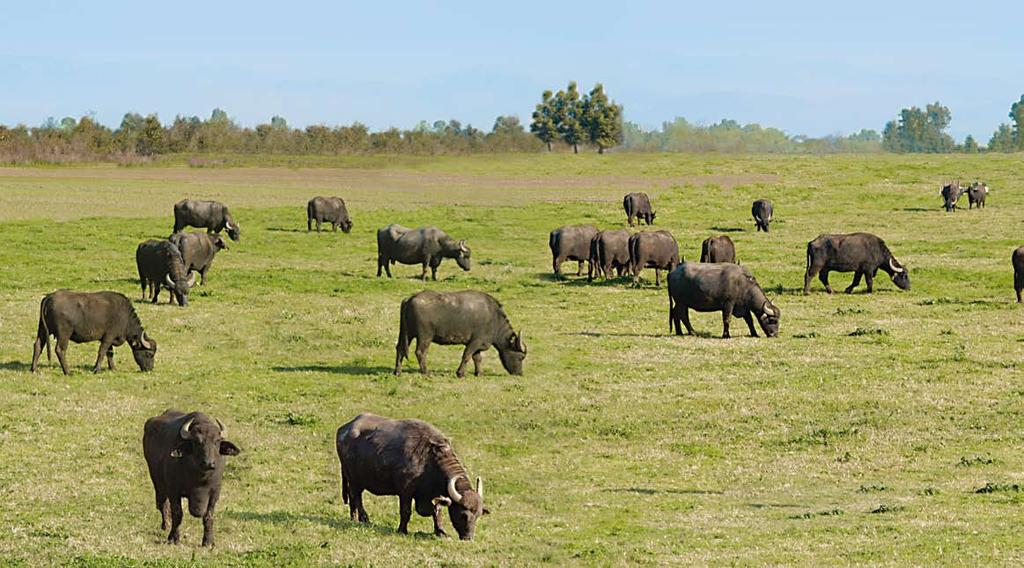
x=462, y=257
x=513, y=353
x=180, y=287
x=346, y=225
x=464, y=508
x=219, y=243
x=769, y=318
x=144, y=351
x=900, y=276
x=233, y=232
x=201, y=442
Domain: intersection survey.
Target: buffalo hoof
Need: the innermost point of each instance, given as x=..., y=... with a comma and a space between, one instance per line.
x=440, y=534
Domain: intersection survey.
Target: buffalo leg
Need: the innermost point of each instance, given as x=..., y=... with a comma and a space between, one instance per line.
x=869, y=277
x=355, y=504
x=468, y=353
x=208, y=518
x=422, y=344
x=433, y=269
x=477, y=360
x=202, y=276
x=61, y=348
x=163, y=504
x=176, y=515
x=318, y=224
x=110, y=358
x=404, y=512
x=423, y=275
x=657, y=276
x=855, y=283
x=684, y=314
x=438, y=529
x=750, y=323
x=808, y=276
x=309, y=224
x=381, y=263
x=1018, y=285
x=334, y=227
x=556, y=265
x=37, y=347
x=579, y=268
x=823, y=276
x=726, y=316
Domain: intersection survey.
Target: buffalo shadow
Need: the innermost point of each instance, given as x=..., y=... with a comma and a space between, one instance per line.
x=334, y=369
x=727, y=229
x=654, y=491
x=615, y=334
x=20, y=366
x=288, y=519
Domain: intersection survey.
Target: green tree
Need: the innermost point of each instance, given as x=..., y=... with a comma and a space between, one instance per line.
x=149, y=140
x=544, y=124
x=1017, y=116
x=970, y=145
x=569, y=117
x=1002, y=139
x=919, y=130
x=602, y=119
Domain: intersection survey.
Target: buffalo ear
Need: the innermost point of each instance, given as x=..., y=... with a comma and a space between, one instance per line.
x=228, y=449
x=441, y=501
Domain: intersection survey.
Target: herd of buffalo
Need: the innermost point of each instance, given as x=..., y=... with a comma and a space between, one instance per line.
x=409, y=458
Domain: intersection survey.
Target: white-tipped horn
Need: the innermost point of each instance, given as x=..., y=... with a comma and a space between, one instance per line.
x=462, y=246
x=185, y=427
x=223, y=430
x=144, y=340
x=191, y=279
x=519, y=342
x=452, y=492
x=480, y=487
x=766, y=307
x=894, y=267
x=167, y=279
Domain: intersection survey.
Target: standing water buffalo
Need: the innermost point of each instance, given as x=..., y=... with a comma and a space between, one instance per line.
x=729, y=288
x=762, y=210
x=863, y=254
x=330, y=209
x=185, y=454
x=571, y=242
x=107, y=317
x=210, y=215
x=976, y=195
x=718, y=249
x=161, y=266
x=413, y=460
x=638, y=206
x=469, y=318
x=609, y=250
x=653, y=249
x=1018, y=271
x=197, y=250
x=951, y=193
x=427, y=246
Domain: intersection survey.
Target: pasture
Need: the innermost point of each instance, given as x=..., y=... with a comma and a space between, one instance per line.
x=882, y=429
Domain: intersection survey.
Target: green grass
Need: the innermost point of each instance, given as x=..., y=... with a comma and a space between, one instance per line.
x=880, y=429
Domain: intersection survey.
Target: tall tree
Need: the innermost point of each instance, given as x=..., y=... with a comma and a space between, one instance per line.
x=1002, y=139
x=1017, y=116
x=602, y=119
x=544, y=125
x=919, y=130
x=569, y=117
x=150, y=138
x=970, y=145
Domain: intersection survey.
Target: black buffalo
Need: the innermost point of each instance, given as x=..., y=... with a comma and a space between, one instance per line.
x=1018, y=271
x=185, y=454
x=653, y=249
x=863, y=254
x=107, y=317
x=197, y=250
x=469, y=318
x=571, y=242
x=413, y=460
x=762, y=210
x=160, y=266
x=609, y=251
x=976, y=195
x=638, y=206
x=951, y=193
x=210, y=215
x=427, y=246
x=331, y=209
x=728, y=288
x=718, y=249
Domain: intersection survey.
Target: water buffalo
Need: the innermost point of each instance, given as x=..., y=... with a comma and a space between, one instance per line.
x=331, y=209
x=724, y=287
x=608, y=251
x=863, y=254
x=197, y=250
x=638, y=206
x=427, y=246
x=951, y=193
x=1018, y=271
x=107, y=317
x=571, y=242
x=469, y=318
x=413, y=460
x=718, y=249
x=185, y=454
x=161, y=266
x=210, y=215
x=976, y=195
x=653, y=249
x=762, y=210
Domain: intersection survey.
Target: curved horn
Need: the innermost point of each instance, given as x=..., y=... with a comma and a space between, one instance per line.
x=766, y=307
x=223, y=430
x=462, y=246
x=167, y=279
x=185, y=427
x=191, y=279
x=480, y=487
x=452, y=492
x=892, y=265
x=520, y=343
x=144, y=340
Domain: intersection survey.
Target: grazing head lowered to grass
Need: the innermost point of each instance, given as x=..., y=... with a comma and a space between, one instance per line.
x=161, y=265
x=762, y=211
x=638, y=206
x=863, y=254
x=210, y=215
x=427, y=246
x=728, y=288
x=331, y=209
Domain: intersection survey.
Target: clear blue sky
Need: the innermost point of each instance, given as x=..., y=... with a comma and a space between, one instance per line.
x=807, y=67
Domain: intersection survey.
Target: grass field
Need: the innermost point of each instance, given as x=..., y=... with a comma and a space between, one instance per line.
x=881, y=429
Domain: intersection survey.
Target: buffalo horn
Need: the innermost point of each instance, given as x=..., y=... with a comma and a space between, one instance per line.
x=462, y=246
x=767, y=308
x=452, y=492
x=223, y=430
x=191, y=279
x=892, y=265
x=480, y=487
x=167, y=279
x=145, y=341
x=185, y=427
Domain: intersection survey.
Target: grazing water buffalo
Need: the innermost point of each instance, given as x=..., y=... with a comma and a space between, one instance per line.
x=107, y=317
x=469, y=318
x=161, y=266
x=608, y=251
x=724, y=287
x=951, y=193
x=863, y=254
x=331, y=209
x=653, y=249
x=571, y=242
x=210, y=215
x=638, y=206
x=427, y=246
x=718, y=249
x=761, y=210
x=976, y=195
x=413, y=460
x=185, y=454
x=1018, y=271
x=197, y=250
